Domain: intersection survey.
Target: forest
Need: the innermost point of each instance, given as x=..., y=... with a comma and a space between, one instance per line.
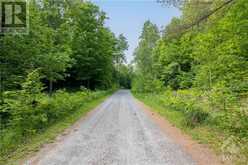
x=195, y=72
x=67, y=60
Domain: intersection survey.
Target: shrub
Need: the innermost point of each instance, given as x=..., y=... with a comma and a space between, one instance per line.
x=234, y=122
x=221, y=98
x=29, y=111
x=186, y=102
x=194, y=115
x=147, y=84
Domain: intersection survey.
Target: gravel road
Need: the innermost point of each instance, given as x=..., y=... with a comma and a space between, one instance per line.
x=118, y=132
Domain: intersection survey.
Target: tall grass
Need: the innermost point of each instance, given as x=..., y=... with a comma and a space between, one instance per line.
x=215, y=117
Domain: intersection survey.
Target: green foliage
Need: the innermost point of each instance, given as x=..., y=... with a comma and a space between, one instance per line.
x=32, y=86
x=145, y=80
x=29, y=118
x=97, y=52
x=189, y=110
x=69, y=46
x=122, y=72
x=146, y=84
x=124, y=75
x=210, y=57
x=221, y=97
x=206, y=55
x=143, y=53
x=121, y=46
x=68, y=42
x=194, y=115
x=188, y=103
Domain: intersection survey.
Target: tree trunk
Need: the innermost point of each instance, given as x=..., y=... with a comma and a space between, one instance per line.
x=88, y=83
x=50, y=87
x=3, y=63
x=1, y=90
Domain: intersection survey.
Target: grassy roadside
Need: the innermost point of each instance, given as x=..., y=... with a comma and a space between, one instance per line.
x=204, y=133
x=35, y=142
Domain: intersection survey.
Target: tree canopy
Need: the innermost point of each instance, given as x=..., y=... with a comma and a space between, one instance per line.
x=69, y=44
x=211, y=53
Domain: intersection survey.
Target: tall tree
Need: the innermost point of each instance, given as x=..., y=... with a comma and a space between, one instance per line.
x=93, y=47
x=143, y=57
x=143, y=53
x=121, y=47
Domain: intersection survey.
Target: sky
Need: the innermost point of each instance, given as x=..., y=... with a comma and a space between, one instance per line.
x=128, y=16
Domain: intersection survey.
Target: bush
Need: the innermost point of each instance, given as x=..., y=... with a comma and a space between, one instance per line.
x=195, y=115
x=218, y=110
x=187, y=101
x=221, y=98
x=28, y=112
x=147, y=84
x=234, y=122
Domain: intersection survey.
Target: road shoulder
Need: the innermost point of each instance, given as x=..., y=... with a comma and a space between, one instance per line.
x=41, y=144
x=201, y=153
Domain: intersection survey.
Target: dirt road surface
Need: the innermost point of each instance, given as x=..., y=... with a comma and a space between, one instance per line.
x=118, y=132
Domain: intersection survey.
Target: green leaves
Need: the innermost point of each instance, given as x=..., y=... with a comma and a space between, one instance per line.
x=203, y=56
x=94, y=47
x=205, y=67
x=120, y=47
x=66, y=39
x=33, y=85
x=24, y=116
x=145, y=79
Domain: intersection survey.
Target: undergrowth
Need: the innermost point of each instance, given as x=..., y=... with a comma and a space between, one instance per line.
x=209, y=117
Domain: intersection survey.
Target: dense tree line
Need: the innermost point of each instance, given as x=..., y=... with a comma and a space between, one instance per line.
x=209, y=54
x=198, y=66
x=69, y=44
x=68, y=49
